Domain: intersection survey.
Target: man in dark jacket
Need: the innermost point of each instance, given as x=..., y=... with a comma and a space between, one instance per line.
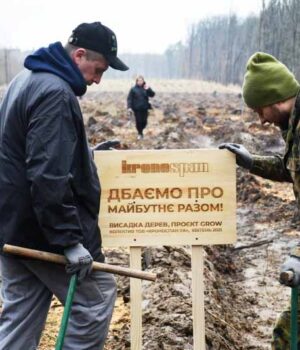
x=50, y=192
x=271, y=90
x=138, y=103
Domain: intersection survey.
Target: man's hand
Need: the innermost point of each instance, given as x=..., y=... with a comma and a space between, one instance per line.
x=243, y=156
x=292, y=264
x=107, y=145
x=79, y=261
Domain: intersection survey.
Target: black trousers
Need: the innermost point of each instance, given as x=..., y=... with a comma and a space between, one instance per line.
x=141, y=120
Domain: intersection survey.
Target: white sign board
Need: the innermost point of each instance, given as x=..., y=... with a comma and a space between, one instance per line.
x=167, y=197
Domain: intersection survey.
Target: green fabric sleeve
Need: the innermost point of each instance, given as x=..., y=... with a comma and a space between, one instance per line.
x=270, y=167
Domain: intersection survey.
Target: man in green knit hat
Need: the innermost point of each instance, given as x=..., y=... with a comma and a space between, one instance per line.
x=271, y=90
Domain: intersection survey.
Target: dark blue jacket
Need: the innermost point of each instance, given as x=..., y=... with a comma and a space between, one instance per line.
x=49, y=186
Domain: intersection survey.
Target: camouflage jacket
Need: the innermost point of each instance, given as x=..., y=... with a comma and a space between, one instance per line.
x=286, y=168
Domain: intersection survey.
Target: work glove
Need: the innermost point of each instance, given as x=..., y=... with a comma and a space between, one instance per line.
x=243, y=156
x=79, y=261
x=107, y=145
x=292, y=263
x=129, y=112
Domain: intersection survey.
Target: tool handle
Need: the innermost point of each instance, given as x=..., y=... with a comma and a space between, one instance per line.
x=286, y=276
x=67, y=311
x=294, y=318
x=60, y=259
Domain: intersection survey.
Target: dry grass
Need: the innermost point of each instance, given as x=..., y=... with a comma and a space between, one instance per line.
x=161, y=85
x=164, y=85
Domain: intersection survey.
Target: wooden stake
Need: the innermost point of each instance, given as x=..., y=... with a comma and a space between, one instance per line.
x=136, y=301
x=198, y=297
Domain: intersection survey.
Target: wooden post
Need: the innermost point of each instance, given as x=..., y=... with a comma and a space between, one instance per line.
x=160, y=192
x=136, y=300
x=198, y=297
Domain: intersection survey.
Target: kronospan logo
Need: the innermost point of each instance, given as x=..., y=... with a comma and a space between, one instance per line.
x=180, y=168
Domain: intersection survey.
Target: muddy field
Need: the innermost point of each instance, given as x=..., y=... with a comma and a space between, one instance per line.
x=242, y=295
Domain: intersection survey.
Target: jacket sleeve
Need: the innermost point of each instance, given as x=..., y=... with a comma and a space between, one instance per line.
x=271, y=167
x=150, y=92
x=50, y=144
x=130, y=99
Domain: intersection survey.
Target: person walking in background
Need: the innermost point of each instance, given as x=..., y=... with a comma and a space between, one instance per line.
x=272, y=91
x=50, y=193
x=138, y=103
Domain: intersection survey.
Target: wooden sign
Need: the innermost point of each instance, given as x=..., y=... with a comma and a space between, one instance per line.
x=167, y=197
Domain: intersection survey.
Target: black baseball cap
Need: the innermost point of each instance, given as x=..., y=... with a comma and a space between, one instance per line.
x=97, y=37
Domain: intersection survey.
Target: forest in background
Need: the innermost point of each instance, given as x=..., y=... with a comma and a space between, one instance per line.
x=216, y=48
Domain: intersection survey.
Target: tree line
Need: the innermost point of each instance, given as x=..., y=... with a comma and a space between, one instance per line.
x=216, y=48
x=11, y=62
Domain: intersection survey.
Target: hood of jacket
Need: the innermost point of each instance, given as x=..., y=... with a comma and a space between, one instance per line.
x=54, y=59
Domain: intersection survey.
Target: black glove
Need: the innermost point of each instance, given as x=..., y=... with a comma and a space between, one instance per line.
x=106, y=145
x=79, y=261
x=243, y=156
x=292, y=263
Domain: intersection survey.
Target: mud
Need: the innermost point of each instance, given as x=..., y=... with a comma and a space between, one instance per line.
x=243, y=295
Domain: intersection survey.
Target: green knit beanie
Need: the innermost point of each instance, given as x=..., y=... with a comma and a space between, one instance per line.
x=267, y=81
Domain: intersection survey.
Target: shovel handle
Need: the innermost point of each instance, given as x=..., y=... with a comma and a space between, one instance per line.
x=60, y=259
x=67, y=311
x=294, y=318
x=286, y=277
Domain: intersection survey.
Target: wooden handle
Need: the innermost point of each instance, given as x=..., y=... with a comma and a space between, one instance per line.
x=60, y=259
x=286, y=276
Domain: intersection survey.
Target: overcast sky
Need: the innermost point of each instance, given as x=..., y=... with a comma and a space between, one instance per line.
x=140, y=25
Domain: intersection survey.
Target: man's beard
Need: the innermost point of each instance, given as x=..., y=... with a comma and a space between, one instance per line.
x=282, y=117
